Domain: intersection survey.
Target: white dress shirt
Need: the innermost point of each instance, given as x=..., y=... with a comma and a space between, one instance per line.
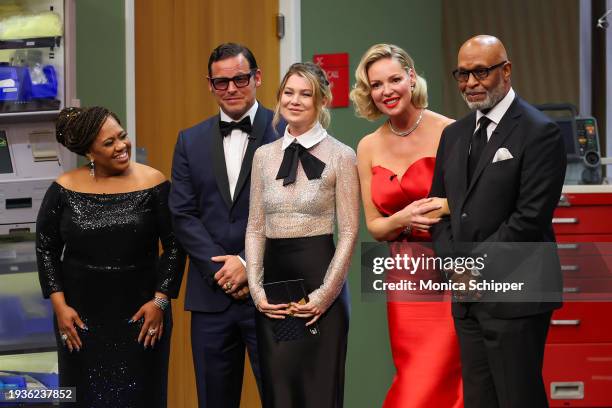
x=496, y=113
x=234, y=147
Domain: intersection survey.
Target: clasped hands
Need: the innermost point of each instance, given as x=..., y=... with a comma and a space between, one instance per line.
x=232, y=276
x=467, y=295
x=422, y=214
x=294, y=309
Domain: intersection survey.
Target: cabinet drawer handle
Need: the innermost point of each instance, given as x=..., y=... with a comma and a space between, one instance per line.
x=565, y=220
x=567, y=390
x=571, y=289
x=563, y=201
x=567, y=246
x=570, y=268
x=565, y=322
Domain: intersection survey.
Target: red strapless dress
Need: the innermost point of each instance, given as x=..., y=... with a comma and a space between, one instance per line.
x=423, y=339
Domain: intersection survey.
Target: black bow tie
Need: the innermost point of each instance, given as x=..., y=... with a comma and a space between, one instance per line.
x=244, y=125
x=312, y=166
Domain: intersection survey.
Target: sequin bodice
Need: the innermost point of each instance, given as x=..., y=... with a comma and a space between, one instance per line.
x=109, y=239
x=305, y=208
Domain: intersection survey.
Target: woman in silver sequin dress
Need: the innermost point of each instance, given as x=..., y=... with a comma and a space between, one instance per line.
x=301, y=185
x=98, y=231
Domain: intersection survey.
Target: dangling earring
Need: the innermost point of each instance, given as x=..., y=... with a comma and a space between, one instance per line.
x=412, y=87
x=92, y=170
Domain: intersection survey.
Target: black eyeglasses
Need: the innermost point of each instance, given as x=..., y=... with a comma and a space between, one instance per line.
x=479, y=73
x=222, y=83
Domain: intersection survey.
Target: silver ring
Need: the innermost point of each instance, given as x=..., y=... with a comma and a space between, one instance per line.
x=64, y=337
x=152, y=332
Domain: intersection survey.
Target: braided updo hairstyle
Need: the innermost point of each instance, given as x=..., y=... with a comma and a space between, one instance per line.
x=77, y=128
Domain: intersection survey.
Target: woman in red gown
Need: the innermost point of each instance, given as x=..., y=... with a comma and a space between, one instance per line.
x=396, y=165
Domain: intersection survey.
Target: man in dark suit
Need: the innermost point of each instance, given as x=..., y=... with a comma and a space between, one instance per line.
x=501, y=169
x=209, y=201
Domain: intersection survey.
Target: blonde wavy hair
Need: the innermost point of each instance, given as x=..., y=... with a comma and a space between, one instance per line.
x=360, y=94
x=315, y=75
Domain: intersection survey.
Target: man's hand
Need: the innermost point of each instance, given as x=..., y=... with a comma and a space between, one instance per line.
x=242, y=293
x=466, y=295
x=232, y=276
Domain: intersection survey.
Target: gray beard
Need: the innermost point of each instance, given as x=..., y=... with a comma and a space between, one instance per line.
x=492, y=98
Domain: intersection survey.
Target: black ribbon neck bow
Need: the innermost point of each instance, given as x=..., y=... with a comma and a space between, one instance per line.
x=244, y=125
x=312, y=166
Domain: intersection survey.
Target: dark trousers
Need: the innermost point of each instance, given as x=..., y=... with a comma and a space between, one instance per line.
x=502, y=359
x=218, y=342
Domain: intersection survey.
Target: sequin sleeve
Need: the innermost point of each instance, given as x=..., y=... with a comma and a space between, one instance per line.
x=49, y=242
x=172, y=261
x=347, y=213
x=255, y=239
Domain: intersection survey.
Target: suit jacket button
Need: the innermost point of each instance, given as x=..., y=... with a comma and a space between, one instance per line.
x=464, y=216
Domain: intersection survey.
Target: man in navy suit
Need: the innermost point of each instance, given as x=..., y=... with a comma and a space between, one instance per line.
x=209, y=201
x=501, y=169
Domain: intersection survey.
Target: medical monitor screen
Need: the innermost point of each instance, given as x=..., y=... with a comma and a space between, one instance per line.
x=6, y=166
x=568, y=132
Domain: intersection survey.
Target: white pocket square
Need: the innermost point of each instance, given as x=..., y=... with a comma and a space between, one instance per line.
x=502, y=154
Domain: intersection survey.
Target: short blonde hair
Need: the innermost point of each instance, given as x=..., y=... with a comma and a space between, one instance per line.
x=315, y=75
x=360, y=95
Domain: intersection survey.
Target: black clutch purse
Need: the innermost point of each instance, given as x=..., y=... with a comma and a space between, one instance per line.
x=289, y=328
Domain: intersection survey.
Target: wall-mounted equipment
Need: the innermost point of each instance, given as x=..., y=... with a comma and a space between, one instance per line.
x=581, y=139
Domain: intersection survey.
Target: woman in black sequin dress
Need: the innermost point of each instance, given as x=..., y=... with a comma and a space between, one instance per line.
x=98, y=231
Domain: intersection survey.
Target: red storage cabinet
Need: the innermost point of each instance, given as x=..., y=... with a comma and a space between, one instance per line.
x=578, y=358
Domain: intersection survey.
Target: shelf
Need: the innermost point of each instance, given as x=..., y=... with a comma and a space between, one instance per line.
x=16, y=258
x=42, y=42
x=33, y=344
x=31, y=116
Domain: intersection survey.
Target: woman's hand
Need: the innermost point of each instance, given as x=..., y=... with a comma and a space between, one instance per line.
x=153, y=325
x=413, y=215
x=278, y=311
x=67, y=319
x=306, y=311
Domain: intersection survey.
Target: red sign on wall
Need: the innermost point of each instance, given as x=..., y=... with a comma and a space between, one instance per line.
x=336, y=67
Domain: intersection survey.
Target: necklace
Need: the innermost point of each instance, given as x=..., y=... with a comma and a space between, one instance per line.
x=409, y=131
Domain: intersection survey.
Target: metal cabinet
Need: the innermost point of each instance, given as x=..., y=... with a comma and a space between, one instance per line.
x=578, y=358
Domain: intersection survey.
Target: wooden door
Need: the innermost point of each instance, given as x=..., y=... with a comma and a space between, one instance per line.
x=173, y=40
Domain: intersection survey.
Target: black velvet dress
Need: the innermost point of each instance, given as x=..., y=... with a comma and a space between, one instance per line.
x=102, y=250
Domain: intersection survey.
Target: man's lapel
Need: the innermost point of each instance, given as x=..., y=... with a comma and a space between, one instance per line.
x=507, y=124
x=255, y=140
x=463, y=154
x=219, y=166
x=458, y=167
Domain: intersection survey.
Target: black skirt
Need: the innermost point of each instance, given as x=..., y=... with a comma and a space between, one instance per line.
x=308, y=372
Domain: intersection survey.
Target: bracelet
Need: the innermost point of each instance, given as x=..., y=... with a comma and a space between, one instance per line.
x=161, y=302
x=407, y=230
